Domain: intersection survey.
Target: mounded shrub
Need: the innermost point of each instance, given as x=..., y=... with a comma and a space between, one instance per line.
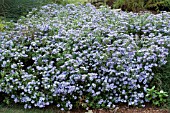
x=80, y=56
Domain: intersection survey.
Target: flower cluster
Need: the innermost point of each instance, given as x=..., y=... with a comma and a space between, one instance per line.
x=80, y=56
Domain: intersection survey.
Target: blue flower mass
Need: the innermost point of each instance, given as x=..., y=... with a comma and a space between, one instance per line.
x=79, y=56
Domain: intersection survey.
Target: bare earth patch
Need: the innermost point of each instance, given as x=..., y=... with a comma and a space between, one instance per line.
x=141, y=110
x=125, y=109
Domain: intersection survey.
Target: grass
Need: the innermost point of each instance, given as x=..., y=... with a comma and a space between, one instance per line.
x=20, y=109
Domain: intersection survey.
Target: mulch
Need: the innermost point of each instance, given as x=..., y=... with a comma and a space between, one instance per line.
x=125, y=109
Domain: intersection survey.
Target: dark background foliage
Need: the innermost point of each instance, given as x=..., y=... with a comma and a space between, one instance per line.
x=13, y=9
x=136, y=5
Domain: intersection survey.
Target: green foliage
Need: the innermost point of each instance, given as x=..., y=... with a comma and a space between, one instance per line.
x=130, y=5
x=13, y=9
x=158, y=98
x=20, y=109
x=64, y=2
x=5, y=25
x=162, y=79
x=1, y=26
x=98, y=2
x=6, y=100
x=157, y=5
x=119, y=3
x=138, y=5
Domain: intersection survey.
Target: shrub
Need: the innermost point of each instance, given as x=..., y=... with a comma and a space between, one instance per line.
x=130, y=5
x=158, y=98
x=142, y=5
x=162, y=79
x=13, y=9
x=80, y=56
x=158, y=5
x=64, y=2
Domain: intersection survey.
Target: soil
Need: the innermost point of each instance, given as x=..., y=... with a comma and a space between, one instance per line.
x=142, y=110
x=125, y=109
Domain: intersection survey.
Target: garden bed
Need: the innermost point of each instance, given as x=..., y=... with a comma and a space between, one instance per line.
x=79, y=56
